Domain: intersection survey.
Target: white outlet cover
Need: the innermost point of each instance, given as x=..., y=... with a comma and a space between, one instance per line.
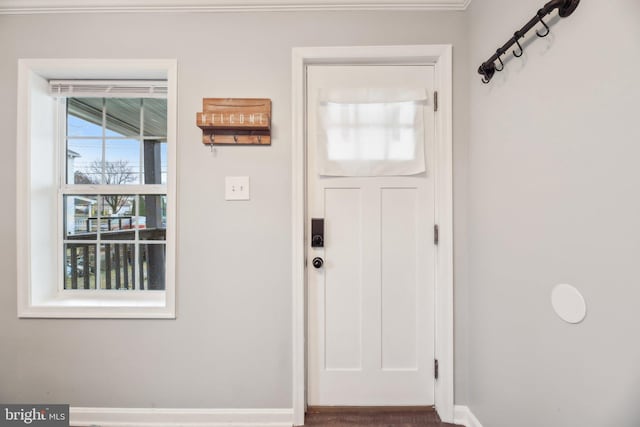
x=568, y=303
x=236, y=188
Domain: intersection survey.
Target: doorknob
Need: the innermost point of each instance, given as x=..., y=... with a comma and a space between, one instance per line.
x=317, y=262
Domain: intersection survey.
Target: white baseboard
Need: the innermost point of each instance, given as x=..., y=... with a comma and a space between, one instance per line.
x=463, y=415
x=163, y=417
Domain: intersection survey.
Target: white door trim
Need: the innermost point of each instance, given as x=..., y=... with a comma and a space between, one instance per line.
x=440, y=56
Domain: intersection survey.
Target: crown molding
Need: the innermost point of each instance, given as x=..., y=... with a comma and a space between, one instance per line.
x=27, y=7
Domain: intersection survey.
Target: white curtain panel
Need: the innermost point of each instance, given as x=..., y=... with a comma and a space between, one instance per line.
x=371, y=132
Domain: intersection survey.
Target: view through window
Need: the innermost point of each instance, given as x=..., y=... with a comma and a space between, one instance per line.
x=114, y=193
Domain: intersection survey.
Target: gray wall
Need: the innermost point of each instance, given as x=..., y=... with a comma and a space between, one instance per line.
x=231, y=344
x=553, y=198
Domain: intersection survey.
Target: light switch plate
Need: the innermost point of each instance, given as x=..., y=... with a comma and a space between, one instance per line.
x=236, y=188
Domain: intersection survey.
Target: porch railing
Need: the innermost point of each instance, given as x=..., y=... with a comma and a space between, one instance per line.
x=118, y=269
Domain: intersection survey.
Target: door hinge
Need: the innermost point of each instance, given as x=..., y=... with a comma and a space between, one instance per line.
x=435, y=101
x=435, y=369
x=436, y=234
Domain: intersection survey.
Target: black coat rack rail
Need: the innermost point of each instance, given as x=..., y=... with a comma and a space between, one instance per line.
x=565, y=8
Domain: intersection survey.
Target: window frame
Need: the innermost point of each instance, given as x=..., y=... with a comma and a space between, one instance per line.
x=69, y=188
x=40, y=294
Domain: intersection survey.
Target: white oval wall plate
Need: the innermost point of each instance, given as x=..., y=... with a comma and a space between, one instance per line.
x=568, y=303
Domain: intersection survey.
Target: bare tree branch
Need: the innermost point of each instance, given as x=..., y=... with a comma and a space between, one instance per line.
x=115, y=173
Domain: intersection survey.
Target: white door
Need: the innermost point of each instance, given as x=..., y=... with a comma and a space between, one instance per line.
x=371, y=304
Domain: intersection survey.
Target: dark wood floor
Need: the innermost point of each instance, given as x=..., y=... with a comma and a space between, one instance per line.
x=373, y=417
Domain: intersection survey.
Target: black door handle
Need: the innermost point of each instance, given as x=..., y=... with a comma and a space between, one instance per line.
x=317, y=262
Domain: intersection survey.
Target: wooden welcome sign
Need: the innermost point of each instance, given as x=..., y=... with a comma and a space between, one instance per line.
x=229, y=121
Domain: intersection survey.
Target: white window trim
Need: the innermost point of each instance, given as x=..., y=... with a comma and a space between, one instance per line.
x=38, y=294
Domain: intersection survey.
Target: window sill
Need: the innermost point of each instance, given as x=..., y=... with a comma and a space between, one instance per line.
x=102, y=304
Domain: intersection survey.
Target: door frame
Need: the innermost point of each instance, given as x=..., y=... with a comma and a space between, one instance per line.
x=440, y=57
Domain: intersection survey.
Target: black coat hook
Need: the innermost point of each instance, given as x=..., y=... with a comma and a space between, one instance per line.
x=518, y=55
x=545, y=26
x=498, y=52
x=488, y=69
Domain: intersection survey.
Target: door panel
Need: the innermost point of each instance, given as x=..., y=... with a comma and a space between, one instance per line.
x=343, y=282
x=399, y=220
x=370, y=306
